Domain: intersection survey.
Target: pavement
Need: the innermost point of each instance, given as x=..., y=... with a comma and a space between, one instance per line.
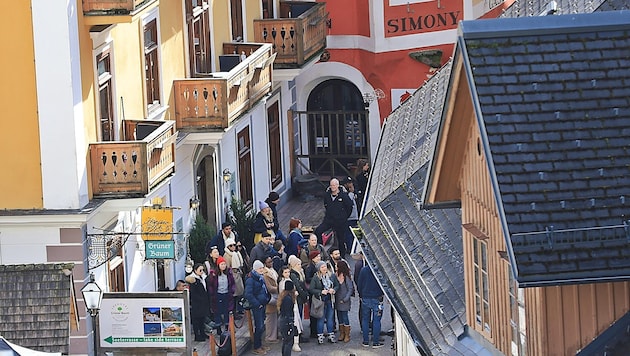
x=354, y=347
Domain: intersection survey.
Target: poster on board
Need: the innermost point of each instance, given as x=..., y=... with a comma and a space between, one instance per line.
x=144, y=320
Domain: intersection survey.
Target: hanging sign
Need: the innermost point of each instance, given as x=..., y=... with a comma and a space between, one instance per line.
x=157, y=223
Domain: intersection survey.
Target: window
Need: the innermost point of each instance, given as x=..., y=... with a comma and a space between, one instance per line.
x=198, y=23
x=275, y=154
x=105, y=97
x=245, y=167
x=236, y=13
x=482, y=295
x=267, y=6
x=517, y=316
x=116, y=265
x=151, y=65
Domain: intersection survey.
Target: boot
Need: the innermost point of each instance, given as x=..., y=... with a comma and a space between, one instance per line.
x=320, y=338
x=342, y=332
x=347, y=335
x=296, y=344
x=332, y=338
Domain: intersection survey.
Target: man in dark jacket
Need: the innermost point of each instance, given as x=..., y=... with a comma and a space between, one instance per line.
x=258, y=296
x=338, y=208
x=219, y=239
x=371, y=296
x=262, y=249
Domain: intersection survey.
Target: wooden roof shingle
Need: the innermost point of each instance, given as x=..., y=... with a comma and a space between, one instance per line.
x=35, y=303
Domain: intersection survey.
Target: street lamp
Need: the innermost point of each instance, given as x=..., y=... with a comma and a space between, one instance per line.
x=92, y=296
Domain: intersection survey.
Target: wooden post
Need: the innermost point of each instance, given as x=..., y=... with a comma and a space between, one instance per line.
x=212, y=342
x=232, y=334
x=248, y=315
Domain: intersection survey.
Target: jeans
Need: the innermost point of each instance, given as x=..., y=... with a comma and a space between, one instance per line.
x=259, y=326
x=342, y=316
x=370, y=309
x=328, y=316
x=221, y=315
x=286, y=332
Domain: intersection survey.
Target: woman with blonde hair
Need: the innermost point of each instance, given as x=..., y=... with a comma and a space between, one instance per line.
x=324, y=286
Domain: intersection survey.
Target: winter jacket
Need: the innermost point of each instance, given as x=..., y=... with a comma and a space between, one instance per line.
x=338, y=208
x=199, y=300
x=256, y=291
x=305, y=252
x=342, y=298
x=300, y=286
x=271, y=282
x=367, y=285
x=260, y=252
x=212, y=281
x=317, y=286
x=295, y=236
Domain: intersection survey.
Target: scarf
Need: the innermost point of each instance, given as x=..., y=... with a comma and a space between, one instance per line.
x=262, y=280
x=235, y=257
x=326, y=281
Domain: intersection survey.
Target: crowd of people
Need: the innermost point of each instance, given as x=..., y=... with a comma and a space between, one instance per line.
x=287, y=279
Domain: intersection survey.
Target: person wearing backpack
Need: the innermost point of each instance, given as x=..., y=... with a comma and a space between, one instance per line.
x=258, y=296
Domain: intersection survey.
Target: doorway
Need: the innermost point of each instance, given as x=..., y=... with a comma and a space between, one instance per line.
x=205, y=187
x=337, y=123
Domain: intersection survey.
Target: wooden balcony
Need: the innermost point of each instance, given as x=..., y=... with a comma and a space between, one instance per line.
x=298, y=35
x=216, y=101
x=133, y=167
x=107, y=12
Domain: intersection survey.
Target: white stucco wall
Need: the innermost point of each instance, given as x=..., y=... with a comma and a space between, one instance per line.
x=59, y=103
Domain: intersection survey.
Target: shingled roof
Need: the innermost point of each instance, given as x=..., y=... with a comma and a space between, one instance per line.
x=417, y=253
x=552, y=99
x=35, y=305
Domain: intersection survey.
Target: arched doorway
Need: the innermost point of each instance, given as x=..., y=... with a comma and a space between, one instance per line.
x=337, y=124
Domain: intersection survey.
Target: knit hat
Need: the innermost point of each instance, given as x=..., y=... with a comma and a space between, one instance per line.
x=229, y=242
x=257, y=264
x=294, y=261
x=313, y=254
x=273, y=196
x=220, y=260
x=262, y=205
x=288, y=285
x=319, y=265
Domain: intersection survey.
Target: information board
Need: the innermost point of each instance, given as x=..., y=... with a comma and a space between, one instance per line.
x=144, y=320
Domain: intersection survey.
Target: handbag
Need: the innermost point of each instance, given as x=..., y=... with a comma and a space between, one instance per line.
x=317, y=308
x=245, y=304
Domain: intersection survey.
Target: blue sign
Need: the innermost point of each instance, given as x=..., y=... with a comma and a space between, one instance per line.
x=156, y=249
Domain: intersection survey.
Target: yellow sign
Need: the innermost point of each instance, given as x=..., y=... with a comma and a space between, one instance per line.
x=157, y=223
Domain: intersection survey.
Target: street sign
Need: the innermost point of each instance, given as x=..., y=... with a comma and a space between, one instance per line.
x=159, y=249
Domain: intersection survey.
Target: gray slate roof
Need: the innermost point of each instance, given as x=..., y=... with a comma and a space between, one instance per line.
x=35, y=302
x=417, y=253
x=553, y=100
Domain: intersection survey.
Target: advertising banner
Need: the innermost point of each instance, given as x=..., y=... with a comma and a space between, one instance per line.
x=144, y=320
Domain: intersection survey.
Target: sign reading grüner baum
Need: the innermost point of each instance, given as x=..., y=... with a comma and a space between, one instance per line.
x=159, y=249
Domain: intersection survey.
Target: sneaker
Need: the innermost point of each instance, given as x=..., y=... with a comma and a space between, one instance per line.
x=332, y=338
x=266, y=348
x=259, y=351
x=320, y=339
x=376, y=345
x=365, y=344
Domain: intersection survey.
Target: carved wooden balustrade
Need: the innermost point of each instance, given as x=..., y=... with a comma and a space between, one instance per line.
x=297, y=35
x=135, y=166
x=107, y=6
x=216, y=101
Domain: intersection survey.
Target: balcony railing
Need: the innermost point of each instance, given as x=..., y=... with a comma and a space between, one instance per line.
x=216, y=101
x=298, y=35
x=133, y=167
x=111, y=6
